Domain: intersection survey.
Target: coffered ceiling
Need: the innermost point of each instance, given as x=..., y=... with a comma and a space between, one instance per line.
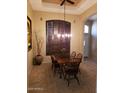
x=78, y=7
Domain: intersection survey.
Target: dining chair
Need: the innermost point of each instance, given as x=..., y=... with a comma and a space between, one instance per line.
x=78, y=58
x=55, y=65
x=79, y=55
x=73, y=54
x=71, y=71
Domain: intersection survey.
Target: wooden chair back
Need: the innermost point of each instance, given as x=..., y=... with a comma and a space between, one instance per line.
x=73, y=54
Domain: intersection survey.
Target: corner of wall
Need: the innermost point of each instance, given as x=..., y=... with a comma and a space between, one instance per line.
x=29, y=53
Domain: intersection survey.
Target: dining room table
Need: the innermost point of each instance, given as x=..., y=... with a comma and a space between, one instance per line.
x=63, y=62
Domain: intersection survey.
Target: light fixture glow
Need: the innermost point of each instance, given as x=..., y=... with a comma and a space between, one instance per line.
x=58, y=35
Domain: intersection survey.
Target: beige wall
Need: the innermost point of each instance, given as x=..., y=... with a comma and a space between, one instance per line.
x=84, y=16
x=39, y=26
x=76, y=28
x=89, y=12
x=30, y=53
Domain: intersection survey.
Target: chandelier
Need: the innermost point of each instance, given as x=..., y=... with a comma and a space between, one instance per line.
x=64, y=35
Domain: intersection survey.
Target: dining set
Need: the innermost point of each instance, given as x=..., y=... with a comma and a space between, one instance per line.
x=67, y=68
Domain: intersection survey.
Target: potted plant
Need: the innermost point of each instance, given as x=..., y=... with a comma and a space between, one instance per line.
x=38, y=58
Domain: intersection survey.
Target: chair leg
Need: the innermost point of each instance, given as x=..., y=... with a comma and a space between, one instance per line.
x=52, y=66
x=64, y=76
x=79, y=71
x=68, y=80
x=54, y=71
x=60, y=74
x=77, y=79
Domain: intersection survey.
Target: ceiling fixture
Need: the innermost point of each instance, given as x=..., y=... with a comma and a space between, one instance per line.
x=65, y=34
x=69, y=1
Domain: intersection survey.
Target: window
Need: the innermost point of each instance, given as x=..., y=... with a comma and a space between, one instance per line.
x=58, y=37
x=86, y=29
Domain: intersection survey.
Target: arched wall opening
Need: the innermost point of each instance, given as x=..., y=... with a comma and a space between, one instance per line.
x=90, y=38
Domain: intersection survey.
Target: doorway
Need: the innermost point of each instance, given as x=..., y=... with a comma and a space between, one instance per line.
x=90, y=39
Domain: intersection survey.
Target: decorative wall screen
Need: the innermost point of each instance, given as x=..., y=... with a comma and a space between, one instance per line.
x=58, y=38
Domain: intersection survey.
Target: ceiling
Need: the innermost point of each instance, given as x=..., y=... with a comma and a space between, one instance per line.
x=54, y=6
x=93, y=17
x=76, y=2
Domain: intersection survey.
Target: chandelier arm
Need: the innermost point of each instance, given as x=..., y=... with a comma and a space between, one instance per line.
x=64, y=16
x=64, y=11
